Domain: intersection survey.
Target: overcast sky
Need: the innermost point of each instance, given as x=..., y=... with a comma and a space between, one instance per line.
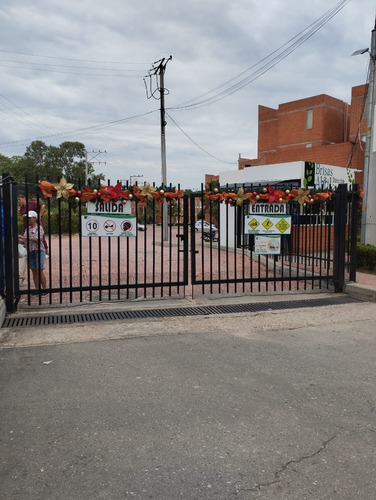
x=73, y=71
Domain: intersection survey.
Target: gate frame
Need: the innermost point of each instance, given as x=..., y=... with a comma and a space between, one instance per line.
x=9, y=286
x=343, y=218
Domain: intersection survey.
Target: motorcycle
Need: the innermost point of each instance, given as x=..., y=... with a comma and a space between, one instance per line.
x=210, y=235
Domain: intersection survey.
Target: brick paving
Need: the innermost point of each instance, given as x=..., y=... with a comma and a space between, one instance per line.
x=131, y=265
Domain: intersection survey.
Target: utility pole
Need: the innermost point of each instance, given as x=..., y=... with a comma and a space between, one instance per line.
x=159, y=68
x=95, y=155
x=162, y=69
x=368, y=229
x=133, y=177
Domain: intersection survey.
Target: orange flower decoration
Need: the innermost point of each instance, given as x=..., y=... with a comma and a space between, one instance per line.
x=47, y=188
x=88, y=194
x=322, y=196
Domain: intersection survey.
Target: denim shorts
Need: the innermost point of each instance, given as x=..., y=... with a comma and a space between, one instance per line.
x=34, y=261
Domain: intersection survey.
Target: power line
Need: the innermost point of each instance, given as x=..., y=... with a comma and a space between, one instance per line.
x=22, y=116
x=278, y=54
x=81, y=73
x=80, y=130
x=197, y=145
x=69, y=58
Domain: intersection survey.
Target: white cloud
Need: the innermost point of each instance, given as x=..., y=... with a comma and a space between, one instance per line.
x=211, y=41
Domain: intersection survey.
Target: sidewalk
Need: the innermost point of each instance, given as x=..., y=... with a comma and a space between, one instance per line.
x=364, y=288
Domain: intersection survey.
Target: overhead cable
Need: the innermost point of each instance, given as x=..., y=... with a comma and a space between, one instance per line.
x=197, y=145
x=269, y=60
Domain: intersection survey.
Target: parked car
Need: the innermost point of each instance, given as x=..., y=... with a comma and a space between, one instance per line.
x=205, y=226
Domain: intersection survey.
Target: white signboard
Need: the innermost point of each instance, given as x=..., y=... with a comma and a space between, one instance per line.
x=108, y=225
x=327, y=176
x=267, y=224
x=267, y=245
x=267, y=208
x=110, y=207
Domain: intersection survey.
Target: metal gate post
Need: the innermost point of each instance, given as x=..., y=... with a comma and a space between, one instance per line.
x=192, y=217
x=186, y=236
x=10, y=242
x=354, y=199
x=340, y=237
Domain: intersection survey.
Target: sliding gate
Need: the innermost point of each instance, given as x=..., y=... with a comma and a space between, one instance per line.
x=148, y=260
x=166, y=255
x=319, y=253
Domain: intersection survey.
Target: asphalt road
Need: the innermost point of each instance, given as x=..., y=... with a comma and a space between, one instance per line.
x=241, y=406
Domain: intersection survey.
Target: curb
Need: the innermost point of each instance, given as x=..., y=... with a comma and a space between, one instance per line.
x=361, y=292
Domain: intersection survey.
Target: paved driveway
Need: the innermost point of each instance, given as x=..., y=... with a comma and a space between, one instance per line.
x=241, y=406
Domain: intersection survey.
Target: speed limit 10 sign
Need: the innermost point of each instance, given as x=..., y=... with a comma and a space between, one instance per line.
x=108, y=225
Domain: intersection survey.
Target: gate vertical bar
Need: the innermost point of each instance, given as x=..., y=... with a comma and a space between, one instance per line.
x=192, y=217
x=340, y=237
x=185, y=238
x=354, y=230
x=10, y=242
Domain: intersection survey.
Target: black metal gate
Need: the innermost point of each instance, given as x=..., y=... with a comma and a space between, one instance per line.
x=171, y=256
x=319, y=253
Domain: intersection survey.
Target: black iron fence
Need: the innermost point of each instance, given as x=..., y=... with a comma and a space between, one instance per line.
x=167, y=254
x=318, y=252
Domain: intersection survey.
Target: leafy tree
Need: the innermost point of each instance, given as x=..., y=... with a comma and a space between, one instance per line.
x=73, y=155
x=6, y=164
x=51, y=162
x=37, y=161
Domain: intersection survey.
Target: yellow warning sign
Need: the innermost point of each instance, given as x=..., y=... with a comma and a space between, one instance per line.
x=282, y=226
x=268, y=224
x=253, y=224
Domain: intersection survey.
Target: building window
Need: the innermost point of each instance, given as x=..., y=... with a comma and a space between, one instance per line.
x=309, y=118
x=308, y=145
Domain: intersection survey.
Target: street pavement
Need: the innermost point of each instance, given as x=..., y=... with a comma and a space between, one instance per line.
x=272, y=404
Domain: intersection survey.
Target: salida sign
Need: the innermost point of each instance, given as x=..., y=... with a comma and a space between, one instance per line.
x=108, y=219
x=111, y=207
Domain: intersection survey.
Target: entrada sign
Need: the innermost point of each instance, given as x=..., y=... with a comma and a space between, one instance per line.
x=267, y=208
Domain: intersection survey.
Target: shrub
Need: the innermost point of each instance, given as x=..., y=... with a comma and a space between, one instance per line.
x=366, y=257
x=58, y=221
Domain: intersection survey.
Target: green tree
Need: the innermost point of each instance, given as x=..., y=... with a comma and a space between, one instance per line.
x=37, y=161
x=6, y=164
x=51, y=162
x=73, y=156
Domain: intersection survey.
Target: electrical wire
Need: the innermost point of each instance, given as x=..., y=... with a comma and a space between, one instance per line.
x=80, y=130
x=22, y=117
x=71, y=58
x=197, y=145
x=278, y=54
x=81, y=72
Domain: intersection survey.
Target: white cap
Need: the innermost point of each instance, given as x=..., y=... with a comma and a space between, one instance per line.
x=32, y=214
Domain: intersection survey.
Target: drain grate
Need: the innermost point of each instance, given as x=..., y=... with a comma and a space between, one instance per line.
x=64, y=319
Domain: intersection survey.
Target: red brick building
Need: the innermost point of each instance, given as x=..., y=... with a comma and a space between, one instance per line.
x=321, y=129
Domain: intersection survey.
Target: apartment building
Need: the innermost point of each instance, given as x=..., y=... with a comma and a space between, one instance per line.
x=320, y=129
